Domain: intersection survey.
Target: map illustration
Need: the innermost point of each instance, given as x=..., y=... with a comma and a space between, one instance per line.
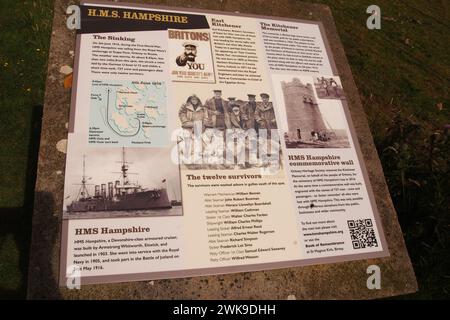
x=128, y=113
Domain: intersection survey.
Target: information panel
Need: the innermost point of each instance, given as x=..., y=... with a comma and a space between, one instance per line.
x=205, y=142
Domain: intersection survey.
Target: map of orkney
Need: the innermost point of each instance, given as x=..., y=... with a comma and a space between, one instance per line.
x=128, y=113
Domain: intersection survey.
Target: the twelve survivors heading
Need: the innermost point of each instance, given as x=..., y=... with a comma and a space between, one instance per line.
x=133, y=15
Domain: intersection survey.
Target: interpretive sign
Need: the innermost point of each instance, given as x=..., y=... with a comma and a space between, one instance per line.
x=205, y=142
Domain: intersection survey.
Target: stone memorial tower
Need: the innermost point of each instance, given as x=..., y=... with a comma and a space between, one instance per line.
x=302, y=111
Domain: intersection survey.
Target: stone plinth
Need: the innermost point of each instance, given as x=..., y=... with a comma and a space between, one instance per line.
x=330, y=281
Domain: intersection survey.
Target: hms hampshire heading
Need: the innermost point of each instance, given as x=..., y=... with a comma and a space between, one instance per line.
x=122, y=195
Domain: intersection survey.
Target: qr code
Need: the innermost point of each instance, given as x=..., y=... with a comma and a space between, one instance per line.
x=362, y=233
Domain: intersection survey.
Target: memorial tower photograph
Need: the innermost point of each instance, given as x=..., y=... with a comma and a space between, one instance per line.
x=310, y=124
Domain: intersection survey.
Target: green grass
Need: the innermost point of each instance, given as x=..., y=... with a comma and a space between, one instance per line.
x=24, y=41
x=402, y=72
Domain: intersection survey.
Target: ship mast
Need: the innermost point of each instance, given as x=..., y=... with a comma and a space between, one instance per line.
x=125, y=183
x=124, y=169
x=83, y=192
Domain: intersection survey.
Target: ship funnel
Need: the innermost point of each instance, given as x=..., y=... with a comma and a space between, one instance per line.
x=97, y=190
x=110, y=190
x=116, y=187
x=103, y=190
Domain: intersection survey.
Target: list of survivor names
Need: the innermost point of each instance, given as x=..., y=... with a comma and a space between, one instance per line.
x=236, y=226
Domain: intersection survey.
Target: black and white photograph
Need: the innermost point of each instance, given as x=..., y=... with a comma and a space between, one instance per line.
x=243, y=125
x=122, y=182
x=306, y=122
x=329, y=87
x=188, y=55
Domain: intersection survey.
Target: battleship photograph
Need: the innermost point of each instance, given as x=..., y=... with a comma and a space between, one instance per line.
x=309, y=124
x=121, y=182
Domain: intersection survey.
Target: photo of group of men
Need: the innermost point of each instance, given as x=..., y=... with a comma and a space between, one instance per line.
x=236, y=116
x=328, y=88
x=230, y=113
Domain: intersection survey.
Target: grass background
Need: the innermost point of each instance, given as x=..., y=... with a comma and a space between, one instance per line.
x=403, y=75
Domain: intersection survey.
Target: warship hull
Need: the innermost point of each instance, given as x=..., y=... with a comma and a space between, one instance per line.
x=144, y=200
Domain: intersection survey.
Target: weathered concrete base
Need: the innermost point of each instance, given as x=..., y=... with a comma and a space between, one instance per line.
x=333, y=281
